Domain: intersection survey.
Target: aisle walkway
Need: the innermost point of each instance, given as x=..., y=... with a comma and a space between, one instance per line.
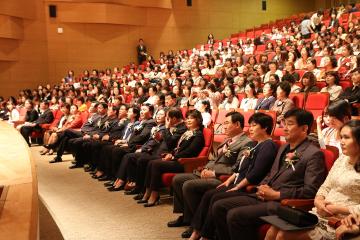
x=84, y=209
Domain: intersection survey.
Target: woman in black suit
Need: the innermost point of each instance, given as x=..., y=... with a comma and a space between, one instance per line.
x=253, y=166
x=190, y=144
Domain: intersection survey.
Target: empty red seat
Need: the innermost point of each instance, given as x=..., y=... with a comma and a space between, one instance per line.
x=316, y=103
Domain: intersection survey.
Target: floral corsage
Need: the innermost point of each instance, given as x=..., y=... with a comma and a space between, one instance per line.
x=291, y=159
x=188, y=134
x=138, y=128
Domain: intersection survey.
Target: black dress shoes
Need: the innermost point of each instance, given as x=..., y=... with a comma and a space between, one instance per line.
x=138, y=197
x=179, y=222
x=187, y=233
x=109, y=184
x=115, y=189
x=75, y=166
x=56, y=159
x=132, y=192
x=148, y=204
x=103, y=178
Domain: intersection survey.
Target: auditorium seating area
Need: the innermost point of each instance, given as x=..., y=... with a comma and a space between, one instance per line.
x=267, y=69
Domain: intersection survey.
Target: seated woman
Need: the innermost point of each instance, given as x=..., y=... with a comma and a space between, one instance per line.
x=71, y=119
x=332, y=81
x=266, y=102
x=283, y=102
x=338, y=196
x=250, y=101
x=205, y=109
x=231, y=101
x=290, y=79
x=251, y=169
x=190, y=144
x=13, y=113
x=308, y=82
x=301, y=62
x=334, y=117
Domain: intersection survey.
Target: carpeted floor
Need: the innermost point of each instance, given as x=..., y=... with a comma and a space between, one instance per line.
x=83, y=209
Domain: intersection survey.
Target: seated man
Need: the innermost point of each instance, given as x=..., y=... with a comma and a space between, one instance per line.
x=297, y=172
x=103, y=127
x=144, y=151
x=116, y=132
x=139, y=135
x=46, y=116
x=136, y=166
x=62, y=143
x=189, y=187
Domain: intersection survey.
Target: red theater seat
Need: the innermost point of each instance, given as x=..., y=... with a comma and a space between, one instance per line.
x=316, y=103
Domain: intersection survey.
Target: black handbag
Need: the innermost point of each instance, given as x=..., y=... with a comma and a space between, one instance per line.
x=297, y=217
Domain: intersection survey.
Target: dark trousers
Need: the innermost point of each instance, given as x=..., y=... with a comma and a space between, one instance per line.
x=76, y=147
x=203, y=220
x=27, y=130
x=111, y=157
x=156, y=168
x=93, y=150
x=239, y=216
x=188, y=191
x=62, y=143
x=136, y=167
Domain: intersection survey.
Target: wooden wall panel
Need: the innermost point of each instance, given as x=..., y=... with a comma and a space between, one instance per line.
x=19, y=8
x=11, y=27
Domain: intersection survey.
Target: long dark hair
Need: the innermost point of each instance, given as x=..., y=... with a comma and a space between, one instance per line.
x=354, y=125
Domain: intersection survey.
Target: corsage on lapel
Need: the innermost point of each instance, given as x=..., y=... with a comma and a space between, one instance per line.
x=138, y=128
x=188, y=134
x=291, y=159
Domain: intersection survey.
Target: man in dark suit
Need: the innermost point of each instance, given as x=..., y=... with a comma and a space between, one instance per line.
x=105, y=124
x=141, y=51
x=116, y=132
x=189, y=187
x=297, y=172
x=46, y=116
x=139, y=136
x=352, y=94
x=136, y=167
x=62, y=143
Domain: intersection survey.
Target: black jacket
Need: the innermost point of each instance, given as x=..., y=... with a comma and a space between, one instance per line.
x=190, y=147
x=141, y=133
x=45, y=117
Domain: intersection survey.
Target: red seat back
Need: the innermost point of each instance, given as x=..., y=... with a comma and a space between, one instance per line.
x=345, y=84
x=208, y=136
x=298, y=99
x=316, y=103
x=330, y=158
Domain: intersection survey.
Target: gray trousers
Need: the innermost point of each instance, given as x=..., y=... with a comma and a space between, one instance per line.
x=188, y=190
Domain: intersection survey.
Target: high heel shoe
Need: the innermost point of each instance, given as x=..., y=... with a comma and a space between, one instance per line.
x=142, y=201
x=157, y=202
x=115, y=189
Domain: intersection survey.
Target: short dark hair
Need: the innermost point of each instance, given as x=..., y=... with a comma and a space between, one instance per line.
x=335, y=75
x=288, y=78
x=175, y=112
x=197, y=115
x=116, y=109
x=151, y=107
x=104, y=105
x=302, y=116
x=236, y=117
x=264, y=120
x=171, y=94
x=81, y=99
x=285, y=86
x=340, y=109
